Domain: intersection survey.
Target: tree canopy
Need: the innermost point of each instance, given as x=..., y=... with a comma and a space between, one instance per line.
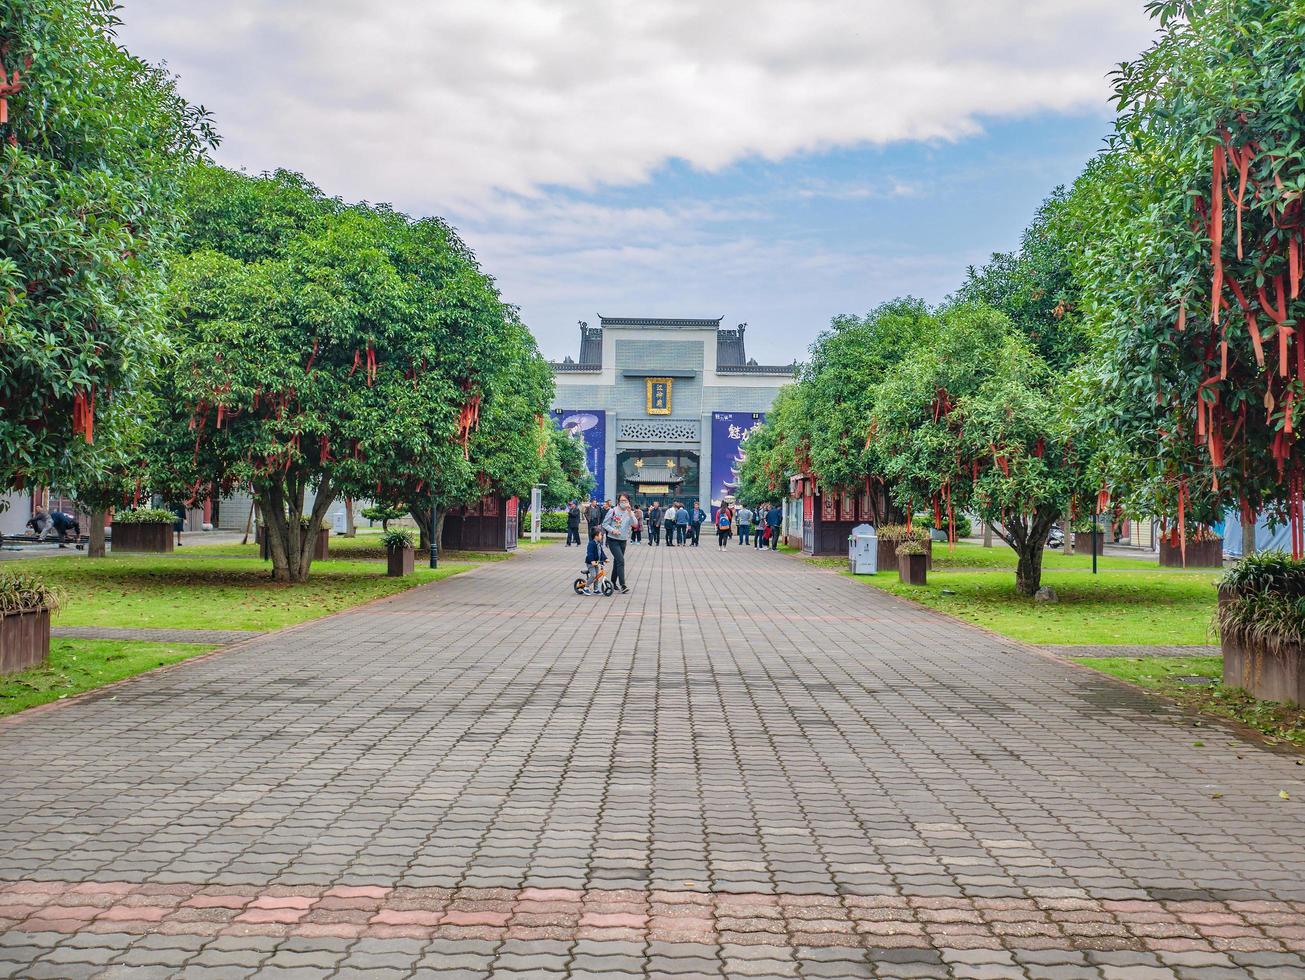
x=93, y=146
x=320, y=346
x=1190, y=250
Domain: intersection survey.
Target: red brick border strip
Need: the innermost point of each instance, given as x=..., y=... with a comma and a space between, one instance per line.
x=671, y=916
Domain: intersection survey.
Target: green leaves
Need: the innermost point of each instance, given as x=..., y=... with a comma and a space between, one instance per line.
x=92, y=154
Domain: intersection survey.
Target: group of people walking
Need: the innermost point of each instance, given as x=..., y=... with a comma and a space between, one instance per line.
x=619, y=524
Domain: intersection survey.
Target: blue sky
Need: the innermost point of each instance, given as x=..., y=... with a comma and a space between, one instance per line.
x=773, y=161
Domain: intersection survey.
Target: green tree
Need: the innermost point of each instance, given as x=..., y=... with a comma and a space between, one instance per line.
x=320, y=346
x=1190, y=254
x=565, y=475
x=93, y=142
x=978, y=421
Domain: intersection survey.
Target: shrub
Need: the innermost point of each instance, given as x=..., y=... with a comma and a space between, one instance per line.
x=144, y=515
x=897, y=533
x=1264, y=601
x=552, y=522
x=911, y=546
x=398, y=538
x=24, y=592
x=384, y=514
x=963, y=526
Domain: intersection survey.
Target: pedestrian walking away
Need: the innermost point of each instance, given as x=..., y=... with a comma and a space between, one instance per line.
x=774, y=521
x=743, y=518
x=593, y=516
x=724, y=527
x=759, y=535
x=637, y=534
x=179, y=524
x=669, y=517
x=618, y=526
x=654, y=516
x=573, y=525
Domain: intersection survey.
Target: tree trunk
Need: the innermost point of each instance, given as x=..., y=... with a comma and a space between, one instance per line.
x=290, y=545
x=1067, y=532
x=95, y=546
x=1028, y=572
x=1248, y=536
x=350, y=529
x=987, y=535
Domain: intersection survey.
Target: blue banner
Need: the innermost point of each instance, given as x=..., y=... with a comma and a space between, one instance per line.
x=591, y=426
x=729, y=432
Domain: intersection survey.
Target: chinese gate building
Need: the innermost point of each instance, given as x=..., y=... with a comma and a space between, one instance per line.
x=663, y=405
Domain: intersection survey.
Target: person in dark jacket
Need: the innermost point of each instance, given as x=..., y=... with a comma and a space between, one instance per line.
x=697, y=517
x=654, y=516
x=593, y=516
x=573, y=525
x=775, y=521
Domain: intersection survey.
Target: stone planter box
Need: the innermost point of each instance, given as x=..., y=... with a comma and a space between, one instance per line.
x=1264, y=674
x=1083, y=542
x=1200, y=554
x=24, y=640
x=401, y=561
x=320, y=553
x=886, y=557
x=911, y=569
x=322, y=550
x=156, y=538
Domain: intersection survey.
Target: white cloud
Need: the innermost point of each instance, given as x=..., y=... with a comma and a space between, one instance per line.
x=502, y=114
x=426, y=103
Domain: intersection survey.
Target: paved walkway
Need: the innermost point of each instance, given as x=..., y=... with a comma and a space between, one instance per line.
x=748, y=767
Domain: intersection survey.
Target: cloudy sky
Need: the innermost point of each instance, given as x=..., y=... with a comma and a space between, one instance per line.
x=774, y=161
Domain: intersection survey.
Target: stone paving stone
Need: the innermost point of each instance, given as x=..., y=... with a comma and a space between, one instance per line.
x=749, y=764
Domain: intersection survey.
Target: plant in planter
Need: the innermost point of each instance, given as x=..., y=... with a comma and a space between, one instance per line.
x=1203, y=548
x=911, y=562
x=891, y=536
x=1261, y=621
x=26, y=602
x=399, y=552
x=1083, y=536
x=143, y=529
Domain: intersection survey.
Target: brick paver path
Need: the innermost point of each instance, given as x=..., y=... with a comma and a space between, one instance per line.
x=749, y=767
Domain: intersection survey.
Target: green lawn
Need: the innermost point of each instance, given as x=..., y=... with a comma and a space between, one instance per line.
x=1176, y=677
x=365, y=547
x=213, y=592
x=1149, y=606
x=80, y=665
x=974, y=556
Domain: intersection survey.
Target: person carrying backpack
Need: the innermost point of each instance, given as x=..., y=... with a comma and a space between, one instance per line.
x=724, y=527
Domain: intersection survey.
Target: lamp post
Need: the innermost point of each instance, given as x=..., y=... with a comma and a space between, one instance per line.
x=1096, y=518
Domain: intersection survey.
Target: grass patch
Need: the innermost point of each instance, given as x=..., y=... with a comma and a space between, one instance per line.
x=365, y=547
x=1279, y=722
x=1151, y=607
x=214, y=592
x=81, y=665
x=969, y=555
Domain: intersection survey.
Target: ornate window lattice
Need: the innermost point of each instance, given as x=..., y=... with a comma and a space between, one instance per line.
x=657, y=430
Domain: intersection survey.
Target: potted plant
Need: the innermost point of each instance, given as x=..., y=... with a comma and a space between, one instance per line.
x=399, y=552
x=1262, y=626
x=1204, y=549
x=26, y=602
x=322, y=547
x=891, y=536
x=911, y=562
x=1083, y=536
x=143, y=529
